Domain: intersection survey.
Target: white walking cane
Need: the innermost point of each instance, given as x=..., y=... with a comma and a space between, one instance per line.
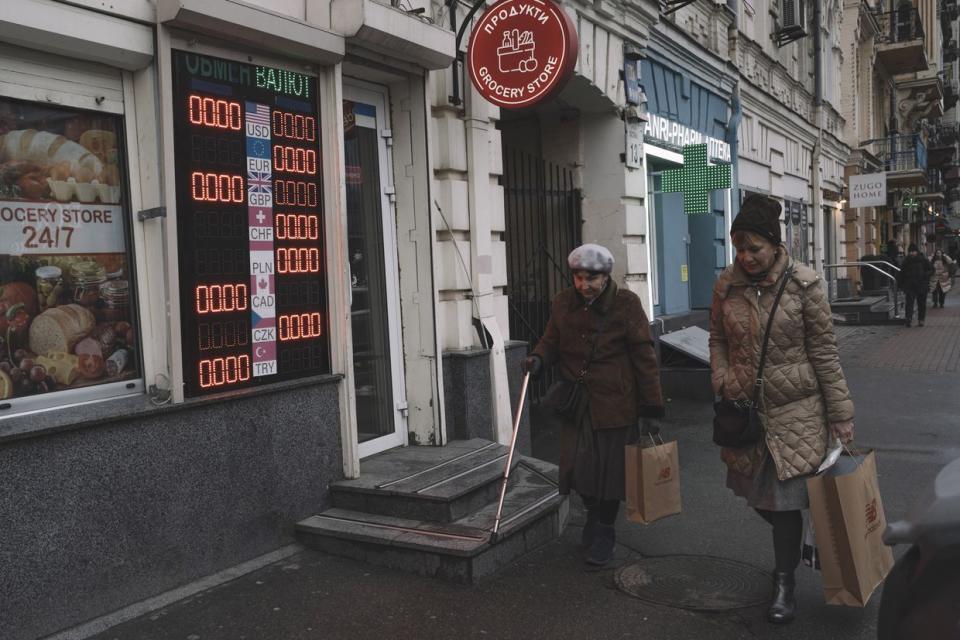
x=513, y=444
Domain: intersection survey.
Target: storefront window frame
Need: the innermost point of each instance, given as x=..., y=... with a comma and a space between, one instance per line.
x=75, y=96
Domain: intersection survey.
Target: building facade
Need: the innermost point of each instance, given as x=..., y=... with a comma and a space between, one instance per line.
x=218, y=281
x=895, y=91
x=790, y=143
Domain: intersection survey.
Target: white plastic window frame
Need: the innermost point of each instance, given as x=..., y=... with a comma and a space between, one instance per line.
x=83, y=94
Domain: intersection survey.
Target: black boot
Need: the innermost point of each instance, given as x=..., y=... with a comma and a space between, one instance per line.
x=783, y=609
x=601, y=548
x=589, y=530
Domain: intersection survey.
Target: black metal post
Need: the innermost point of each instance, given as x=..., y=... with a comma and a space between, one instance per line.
x=456, y=98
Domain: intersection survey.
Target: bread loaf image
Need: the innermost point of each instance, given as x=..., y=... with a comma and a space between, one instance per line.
x=48, y=150
x=59, y=329
x=100, y=143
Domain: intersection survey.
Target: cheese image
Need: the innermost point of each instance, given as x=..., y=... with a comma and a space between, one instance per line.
x=62, y=367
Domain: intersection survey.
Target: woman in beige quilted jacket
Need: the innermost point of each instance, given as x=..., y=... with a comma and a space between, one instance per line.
x=805, y=397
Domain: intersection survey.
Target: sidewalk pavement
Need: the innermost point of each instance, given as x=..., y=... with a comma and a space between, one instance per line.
x=549, y=594
x=933, y=348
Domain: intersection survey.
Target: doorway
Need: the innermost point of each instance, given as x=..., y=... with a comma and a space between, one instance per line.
x=374, y=274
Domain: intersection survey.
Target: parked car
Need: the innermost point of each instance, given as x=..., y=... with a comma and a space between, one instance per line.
x=921, y=595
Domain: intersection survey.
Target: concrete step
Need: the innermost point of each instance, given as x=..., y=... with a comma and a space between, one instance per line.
x=437, y=484
x=868, y=310
x=463, y=551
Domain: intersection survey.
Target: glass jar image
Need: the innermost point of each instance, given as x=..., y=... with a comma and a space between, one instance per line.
x=50, y=287
x=87, y=277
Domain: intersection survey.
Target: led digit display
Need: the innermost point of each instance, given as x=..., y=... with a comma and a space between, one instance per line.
x=297, y=226
x=294, y=159
x=247, y=167
x=216, y=187
x=217, y=335
x=298, y=260
x=295, y=193
x=295, y=126
x=211, y=112
x=221, y=298
x=300, y=326
x=216, y=372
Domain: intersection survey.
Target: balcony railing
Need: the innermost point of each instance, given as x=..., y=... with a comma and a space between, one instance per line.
x=900, y=153
x=900, y=25
x=942, y=134
x=935, y=181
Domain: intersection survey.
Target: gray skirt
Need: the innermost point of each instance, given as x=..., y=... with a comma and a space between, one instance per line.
x=764, y=490
x=592, y=461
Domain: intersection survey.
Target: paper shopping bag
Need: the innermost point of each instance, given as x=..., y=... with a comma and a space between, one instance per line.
x=848, y=521
x=809, y=554
x=653, y=481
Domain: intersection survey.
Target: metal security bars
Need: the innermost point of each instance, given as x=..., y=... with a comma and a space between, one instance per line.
x=543, y=225
x=900, y=25
x=900, y=153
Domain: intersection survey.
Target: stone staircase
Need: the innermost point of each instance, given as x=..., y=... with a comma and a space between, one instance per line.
x=872, y=307
x=430, y=510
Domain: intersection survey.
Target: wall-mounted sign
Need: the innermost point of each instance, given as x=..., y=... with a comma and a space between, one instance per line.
x=672, y=134
x=696, y=179
x=868, y=190
x=634, y=157
x=521, y=52
x=631, y=81
x=250, y=223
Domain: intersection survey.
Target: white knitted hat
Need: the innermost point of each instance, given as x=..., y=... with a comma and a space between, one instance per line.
x=591, y=257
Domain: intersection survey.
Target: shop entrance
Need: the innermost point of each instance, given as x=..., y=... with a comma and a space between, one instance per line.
x=374, y=279
x=671, y=246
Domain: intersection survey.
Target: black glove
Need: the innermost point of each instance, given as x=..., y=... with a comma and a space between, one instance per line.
x=649, y=427
x=533, y=365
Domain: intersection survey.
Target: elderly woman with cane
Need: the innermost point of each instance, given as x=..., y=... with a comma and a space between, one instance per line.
x=772, y=346
x=598, y=337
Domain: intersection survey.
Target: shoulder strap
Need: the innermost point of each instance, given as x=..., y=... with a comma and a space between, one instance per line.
x=758, y=383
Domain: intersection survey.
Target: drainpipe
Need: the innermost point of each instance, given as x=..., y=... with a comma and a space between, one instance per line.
x=733, y=197
x=732, y=139
x=477, y=125
x=817, y=205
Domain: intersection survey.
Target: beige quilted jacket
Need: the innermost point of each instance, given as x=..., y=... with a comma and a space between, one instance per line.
x=804, y=387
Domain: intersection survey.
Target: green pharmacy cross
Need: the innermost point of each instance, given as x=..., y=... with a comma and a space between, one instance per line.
x=696, y=179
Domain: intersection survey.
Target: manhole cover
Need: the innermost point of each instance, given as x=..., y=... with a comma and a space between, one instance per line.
x=700, y=583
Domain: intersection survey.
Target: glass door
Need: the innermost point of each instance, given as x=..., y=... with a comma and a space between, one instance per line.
x=372, y=249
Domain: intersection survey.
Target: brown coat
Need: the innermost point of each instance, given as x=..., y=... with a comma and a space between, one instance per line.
x=804, y=387
x=623, y=380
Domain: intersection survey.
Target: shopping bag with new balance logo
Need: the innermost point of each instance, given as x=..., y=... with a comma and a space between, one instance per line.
x=653, y=481
x=848, y=521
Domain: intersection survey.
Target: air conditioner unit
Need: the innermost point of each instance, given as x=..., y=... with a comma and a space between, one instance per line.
x=793, y=15
x=793, y=22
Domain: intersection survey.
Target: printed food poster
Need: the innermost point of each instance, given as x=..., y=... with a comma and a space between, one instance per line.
x=65, y=298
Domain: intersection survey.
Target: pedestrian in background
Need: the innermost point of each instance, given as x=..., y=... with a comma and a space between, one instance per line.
x=598, y=327
x=915, y=273
x=941, y=280
x=892, y=252
x=804, y=397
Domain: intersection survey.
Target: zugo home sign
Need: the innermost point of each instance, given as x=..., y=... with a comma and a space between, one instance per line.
x=868, y=190
x=522, y=52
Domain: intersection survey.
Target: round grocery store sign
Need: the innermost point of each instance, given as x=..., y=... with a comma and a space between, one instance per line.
x=521, y=51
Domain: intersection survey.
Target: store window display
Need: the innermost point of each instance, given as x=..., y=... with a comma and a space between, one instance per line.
x=66, y=316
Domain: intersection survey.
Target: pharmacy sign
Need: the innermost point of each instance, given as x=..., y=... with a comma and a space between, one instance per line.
x=696, y=179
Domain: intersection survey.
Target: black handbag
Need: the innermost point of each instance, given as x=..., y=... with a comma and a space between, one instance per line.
x=736, y=423
x=566, y=396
